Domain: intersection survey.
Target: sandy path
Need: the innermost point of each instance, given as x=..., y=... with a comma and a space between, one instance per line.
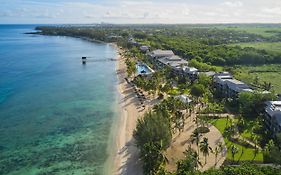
x=181, y=142
x=126, y=158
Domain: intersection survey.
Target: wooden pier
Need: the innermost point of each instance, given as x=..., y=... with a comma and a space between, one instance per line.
x=85, y=60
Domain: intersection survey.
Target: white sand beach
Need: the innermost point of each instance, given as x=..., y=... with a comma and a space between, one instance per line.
x=126, y=159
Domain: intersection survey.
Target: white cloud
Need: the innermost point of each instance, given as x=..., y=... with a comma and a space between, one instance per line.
x=272, y=11
x=233, y=3
x=147, y=11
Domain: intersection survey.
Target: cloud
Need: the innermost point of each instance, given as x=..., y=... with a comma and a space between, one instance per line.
x=135, y=11
x=272, y=11
x=233, y=3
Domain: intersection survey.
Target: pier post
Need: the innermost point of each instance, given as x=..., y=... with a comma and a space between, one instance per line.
x=84, y=59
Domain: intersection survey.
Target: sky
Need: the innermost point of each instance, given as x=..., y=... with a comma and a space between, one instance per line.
x=137, y=11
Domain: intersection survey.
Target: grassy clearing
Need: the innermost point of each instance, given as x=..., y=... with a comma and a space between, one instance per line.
x=244, y=154
x=273, y=47
x=174, y=91
x=263, y=31
x=265, y=73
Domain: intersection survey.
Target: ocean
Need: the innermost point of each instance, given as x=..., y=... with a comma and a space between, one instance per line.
x=56, y=114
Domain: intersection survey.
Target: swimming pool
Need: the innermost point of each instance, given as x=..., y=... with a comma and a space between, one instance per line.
x=143, y=69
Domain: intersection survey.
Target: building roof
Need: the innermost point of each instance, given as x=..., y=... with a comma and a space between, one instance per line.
x=222, y=76
x=190, y=70
x=209, y=74
x=162, y=53
x=174, y=61
x=273, y=109
x=184, y=98
x=277, y=118
x=238, y=86
x=144, y=48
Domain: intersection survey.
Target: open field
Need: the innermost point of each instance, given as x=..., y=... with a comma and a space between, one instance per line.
x=273, y=47
x=263, y=31
x=244, y=154
x=264, y=73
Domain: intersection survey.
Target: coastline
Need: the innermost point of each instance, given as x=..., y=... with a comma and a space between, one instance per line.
x=125, y=156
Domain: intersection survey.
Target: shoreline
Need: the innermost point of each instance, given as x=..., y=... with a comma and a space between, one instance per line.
x=125, y=156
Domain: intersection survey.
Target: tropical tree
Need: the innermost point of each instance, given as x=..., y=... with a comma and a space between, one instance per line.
x=152, y=156
x=131, y=67
x=267, y=86
x=190, y=163
x=162, y=109
x=220, y=146
x=197, y=90
x=179, y=120
x=205, y=148
x=195, y=138
x=234, y=150
x=153, y=128
x=230, y=131
x=269, y=146
x=216, y=151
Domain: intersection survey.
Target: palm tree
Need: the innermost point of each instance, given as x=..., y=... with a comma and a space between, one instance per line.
x=195, y=138
x=162, y=109
x=193, y=156
x=234, y=150
x=179, y=120
x=220, y=145
x=227, y=119
x=216, y=152
x=267, y=86
x=269, y=146
x=230, y=131
x=204, y=148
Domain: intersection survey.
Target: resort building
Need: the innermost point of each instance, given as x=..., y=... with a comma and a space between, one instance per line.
x=191, y=72
x=175, y=62
x=179, y=66
x=209, y=74
x=228, y=86
x=273, y=116
x=184, y=98
x=133, y=42
x=156, y=54
x=144, y=49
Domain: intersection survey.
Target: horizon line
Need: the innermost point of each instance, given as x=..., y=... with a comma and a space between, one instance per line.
x=108, y=23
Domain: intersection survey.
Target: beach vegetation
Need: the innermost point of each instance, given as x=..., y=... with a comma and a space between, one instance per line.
x=153, y=135
x=205, y=148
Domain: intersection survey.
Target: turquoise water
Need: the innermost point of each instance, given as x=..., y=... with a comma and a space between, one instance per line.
x=143, y=69
x=55, y=113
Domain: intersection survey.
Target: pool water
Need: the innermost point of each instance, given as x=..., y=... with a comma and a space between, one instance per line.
x=143, y=69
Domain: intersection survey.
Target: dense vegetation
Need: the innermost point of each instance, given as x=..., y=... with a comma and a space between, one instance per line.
x=246, y=169
x=204, y=44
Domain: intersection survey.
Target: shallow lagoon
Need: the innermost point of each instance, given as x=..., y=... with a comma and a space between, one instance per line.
x=55, y=113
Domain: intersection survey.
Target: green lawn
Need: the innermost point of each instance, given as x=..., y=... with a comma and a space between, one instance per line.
x=247, y=133
x=174, y=91
x=246, y=155
x=263, y=31
x=273, y=47
x=265, y=73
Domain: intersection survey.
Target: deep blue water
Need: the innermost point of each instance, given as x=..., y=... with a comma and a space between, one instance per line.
x=55, y=113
